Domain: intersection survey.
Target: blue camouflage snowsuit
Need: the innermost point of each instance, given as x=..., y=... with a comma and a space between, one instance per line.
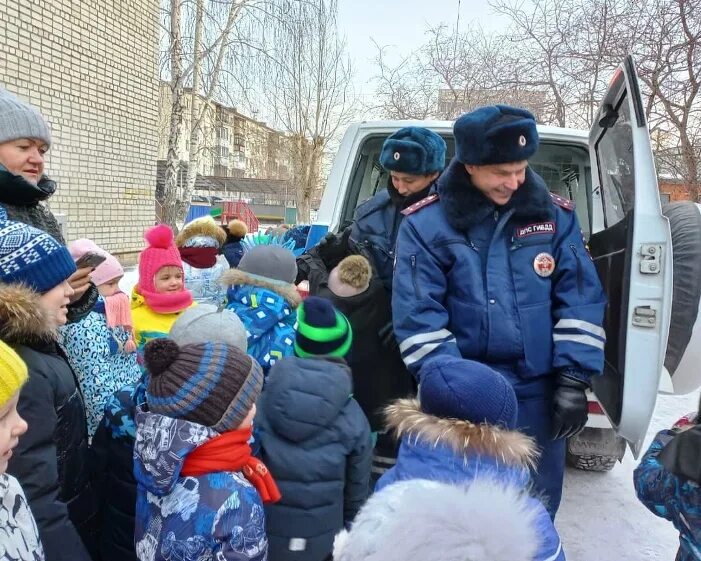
x=512, y=287
x=218, y=516
x=671, y=496
x=268, y=310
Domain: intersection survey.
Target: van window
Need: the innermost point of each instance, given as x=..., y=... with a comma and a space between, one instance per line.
x=564, y=167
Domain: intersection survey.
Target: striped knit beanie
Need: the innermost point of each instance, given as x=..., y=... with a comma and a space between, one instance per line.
x=13, y=373
x=31, y=256
x=322, y=330
x=211, y=384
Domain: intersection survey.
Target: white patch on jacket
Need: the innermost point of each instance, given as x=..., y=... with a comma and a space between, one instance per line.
x=421, y=519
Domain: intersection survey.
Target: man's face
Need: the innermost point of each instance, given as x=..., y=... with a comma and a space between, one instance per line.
x=24, y=157
x=498, y=182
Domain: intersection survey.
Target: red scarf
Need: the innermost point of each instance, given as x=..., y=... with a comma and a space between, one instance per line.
x=230, y=452
x=199, y=257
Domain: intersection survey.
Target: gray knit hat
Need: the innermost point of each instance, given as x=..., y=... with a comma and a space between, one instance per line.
x=205, y=323
x=21, y=120
x=272, y=262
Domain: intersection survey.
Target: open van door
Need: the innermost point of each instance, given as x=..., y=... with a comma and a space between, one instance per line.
x=631, y=247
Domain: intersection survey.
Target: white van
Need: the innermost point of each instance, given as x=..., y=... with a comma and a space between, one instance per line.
x=609, y=173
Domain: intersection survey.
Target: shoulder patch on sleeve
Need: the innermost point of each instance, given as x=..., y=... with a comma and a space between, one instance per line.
x=421, y=204
x=562, y=202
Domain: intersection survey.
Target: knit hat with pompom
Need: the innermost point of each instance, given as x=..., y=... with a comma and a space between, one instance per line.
x=211, y=384
x=160, y=252
x=351, y=276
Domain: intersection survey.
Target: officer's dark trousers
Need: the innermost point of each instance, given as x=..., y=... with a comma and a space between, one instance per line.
x=534, y=418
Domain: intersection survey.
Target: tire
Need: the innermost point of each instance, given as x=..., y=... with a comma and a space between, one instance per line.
x=591, y=463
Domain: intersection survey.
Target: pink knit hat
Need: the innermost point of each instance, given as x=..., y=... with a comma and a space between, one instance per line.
x=161, y=252
x=106, y=271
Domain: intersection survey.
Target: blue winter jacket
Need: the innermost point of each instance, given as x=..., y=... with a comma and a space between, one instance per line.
x=670, y=496
x=218, y=516
x=315, y=440
x=376, y=226
x=510, y=286
x=233, y=252
x=435, y=449
x=268, y=311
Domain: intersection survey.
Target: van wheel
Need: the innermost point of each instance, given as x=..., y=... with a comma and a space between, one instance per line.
x=591, y=463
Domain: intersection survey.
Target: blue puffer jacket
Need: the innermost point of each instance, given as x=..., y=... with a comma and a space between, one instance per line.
x=670, y=496
x=268, y=310
x=315, y=440
x=218, y=516
x=376, y=226
x=512, y=286
x=435, y=449
x=233, y=252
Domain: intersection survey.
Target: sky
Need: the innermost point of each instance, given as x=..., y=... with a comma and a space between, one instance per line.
x=401, y=24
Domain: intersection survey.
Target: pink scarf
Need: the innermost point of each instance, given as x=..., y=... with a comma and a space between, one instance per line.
x=118, y=313
x=167, y=303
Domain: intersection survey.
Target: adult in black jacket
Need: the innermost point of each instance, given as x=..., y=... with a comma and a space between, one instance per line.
x=51, y=461
x=24, y=140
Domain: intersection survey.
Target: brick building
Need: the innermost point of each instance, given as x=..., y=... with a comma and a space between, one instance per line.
x=91, y=69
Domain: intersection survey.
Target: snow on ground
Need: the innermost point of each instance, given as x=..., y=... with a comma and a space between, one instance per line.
x=600, y=518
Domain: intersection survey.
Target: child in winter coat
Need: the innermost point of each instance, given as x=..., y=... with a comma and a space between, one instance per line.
x=199, y=243
x=233, y=248
x=314, y=438
x=160, y=295
x=262, y=293
x=51, y=461
x=100, y=347
x=19, y=535
x=668, y=482
x=422, y=519
x=379, y=373
x=462, y=430
x=200, y=492
x=113, y=443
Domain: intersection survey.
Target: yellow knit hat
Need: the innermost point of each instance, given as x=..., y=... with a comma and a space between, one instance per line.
x=13, y=373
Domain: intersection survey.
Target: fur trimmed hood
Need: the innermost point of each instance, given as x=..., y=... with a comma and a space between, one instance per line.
x=405, y=417
x=234, y=277
x=465, y=206
x=23, y=318
x=201, y=228
x=427, y=520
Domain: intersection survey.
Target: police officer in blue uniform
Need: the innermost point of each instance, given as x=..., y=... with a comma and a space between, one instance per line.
x=414, y=158
x=491, y=266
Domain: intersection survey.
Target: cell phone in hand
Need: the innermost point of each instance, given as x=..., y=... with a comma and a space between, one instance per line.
x=91, y=259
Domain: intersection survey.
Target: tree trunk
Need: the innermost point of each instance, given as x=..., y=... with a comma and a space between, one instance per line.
x=169, y=199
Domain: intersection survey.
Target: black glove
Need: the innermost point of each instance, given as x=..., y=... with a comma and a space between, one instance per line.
x=387, y=338
x=570, y=408
x=333, y=248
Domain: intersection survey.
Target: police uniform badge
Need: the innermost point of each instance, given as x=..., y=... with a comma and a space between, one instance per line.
x=544, y=265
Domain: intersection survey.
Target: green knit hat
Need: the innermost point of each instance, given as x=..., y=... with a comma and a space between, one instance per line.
x=322, y=330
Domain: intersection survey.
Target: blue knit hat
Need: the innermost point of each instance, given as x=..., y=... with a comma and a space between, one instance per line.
x=413, y=150
x=322, y=330
x=31, y=256
x=496, y=134
x=467, y=390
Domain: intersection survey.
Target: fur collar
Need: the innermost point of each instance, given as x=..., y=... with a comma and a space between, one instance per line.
x=405, y=417
x=23, y=318
x=289, y=292
x=465, y=206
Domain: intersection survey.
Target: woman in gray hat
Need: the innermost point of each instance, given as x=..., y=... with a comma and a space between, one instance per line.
x=24, y=140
